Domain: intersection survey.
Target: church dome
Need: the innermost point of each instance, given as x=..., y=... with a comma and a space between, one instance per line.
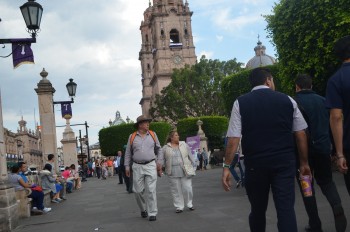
x=261, y=58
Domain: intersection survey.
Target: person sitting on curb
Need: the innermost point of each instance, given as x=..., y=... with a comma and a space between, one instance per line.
x=20, y=183
x=49, y=181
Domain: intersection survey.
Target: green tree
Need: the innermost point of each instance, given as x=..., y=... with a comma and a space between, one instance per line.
x=304, y=33
x=195, y=91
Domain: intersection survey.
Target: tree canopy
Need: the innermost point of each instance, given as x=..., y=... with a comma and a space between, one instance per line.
x=304, y=33
x=195, y=91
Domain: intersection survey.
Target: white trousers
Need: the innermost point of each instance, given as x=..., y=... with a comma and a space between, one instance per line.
x=145, y=186
x=181, y=191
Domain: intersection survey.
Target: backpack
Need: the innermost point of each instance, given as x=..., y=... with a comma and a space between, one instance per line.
x=132, y=138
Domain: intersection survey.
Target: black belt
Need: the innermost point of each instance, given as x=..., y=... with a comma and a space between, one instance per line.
x=143, y=162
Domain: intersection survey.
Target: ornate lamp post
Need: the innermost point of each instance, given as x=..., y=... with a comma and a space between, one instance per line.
x=127, y=119
x=32, y=13
x=71, y=89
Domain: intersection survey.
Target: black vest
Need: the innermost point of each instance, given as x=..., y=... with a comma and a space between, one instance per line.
x=267, y=128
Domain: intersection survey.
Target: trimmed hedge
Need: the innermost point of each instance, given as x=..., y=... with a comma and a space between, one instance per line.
x=113, y=139
x=214, y=127
x=238, y=84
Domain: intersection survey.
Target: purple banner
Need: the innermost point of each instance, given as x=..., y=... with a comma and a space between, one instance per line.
x=66, y=110
x=22, y=52
x=193, y=143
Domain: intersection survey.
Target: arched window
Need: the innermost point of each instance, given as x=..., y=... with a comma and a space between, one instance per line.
x=146, y=38
x=174, y=36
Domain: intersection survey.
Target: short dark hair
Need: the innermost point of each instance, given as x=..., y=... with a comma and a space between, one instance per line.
x=14, y=168
x=342, y=48
x=258, y=76
x=48, y=167
x=304, y=81
x=20, y=164
x=66, y=168
x=50, y=156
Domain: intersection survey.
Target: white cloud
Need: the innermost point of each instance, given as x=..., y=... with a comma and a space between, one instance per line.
x=219, y=38
x=207, y=54
x=97, y=44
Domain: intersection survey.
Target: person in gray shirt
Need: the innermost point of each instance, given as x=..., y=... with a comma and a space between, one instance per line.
x=145, y=155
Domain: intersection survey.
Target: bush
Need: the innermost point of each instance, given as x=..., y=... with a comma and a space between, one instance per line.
x=214, y=127
x=238, y=84
x=113, y=139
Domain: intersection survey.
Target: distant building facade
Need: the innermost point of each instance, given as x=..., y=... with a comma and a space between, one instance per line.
x=167, y=43
x=261, y=58
x=25, y=145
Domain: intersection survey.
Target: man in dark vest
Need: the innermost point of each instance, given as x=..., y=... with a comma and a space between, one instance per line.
x=266, y=121
x=316, y=115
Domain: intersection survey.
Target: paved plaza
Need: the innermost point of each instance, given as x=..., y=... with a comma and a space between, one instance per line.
x=103, y=205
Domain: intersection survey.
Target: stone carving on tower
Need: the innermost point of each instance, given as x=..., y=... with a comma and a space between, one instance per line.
x=167, y=43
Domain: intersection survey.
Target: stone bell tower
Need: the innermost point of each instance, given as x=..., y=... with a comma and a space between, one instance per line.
x=167, y=43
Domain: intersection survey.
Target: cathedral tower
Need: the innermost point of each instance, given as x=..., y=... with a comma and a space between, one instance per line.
x=167, y=43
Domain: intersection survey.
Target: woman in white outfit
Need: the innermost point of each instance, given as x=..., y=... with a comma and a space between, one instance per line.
x=179, y=168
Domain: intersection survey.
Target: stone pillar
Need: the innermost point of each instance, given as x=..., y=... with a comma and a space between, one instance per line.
x=45, y=93
x=203, y=139
x=69, y=143
x=8, y=203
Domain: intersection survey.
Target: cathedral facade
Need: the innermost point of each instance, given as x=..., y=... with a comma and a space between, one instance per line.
x=167, y=44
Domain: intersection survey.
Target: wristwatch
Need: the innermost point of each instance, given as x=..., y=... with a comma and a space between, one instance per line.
x=226, y=165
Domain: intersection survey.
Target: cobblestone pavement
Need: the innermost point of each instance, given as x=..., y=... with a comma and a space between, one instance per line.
x=103, y=205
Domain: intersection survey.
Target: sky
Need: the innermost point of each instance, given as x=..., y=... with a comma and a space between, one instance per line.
x=97, y=43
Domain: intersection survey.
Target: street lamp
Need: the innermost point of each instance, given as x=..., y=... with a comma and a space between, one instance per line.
x=32, y=13
x=110, y=122
x=71, y=89
x=127, y=119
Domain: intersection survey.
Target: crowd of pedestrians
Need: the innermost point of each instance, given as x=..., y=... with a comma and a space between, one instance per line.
x=280, y=138
x=263, y=120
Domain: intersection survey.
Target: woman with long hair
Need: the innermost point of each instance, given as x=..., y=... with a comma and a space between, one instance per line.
x=179, y=168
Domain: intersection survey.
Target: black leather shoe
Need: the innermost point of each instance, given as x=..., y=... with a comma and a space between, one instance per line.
x=339, y=218
x=152, y=218
x=309, y=229
x=144, y=214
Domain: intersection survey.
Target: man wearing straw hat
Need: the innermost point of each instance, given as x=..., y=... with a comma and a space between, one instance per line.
x=145, y=155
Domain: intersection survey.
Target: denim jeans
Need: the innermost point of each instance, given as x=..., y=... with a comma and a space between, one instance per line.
x=233, y=171
x=38, y=199
x=320, y=165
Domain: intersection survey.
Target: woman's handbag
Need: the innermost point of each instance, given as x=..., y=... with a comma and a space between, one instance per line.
x=189, y=170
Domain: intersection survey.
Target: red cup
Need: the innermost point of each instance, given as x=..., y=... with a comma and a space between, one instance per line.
x=305, y=182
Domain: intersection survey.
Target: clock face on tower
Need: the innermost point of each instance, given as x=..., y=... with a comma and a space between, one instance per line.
x=177, y=59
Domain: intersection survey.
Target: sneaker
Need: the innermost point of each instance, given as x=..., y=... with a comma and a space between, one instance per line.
x=46, y=210
x=36, y=211
x=63, y=198
x=59, y=199
x=55, y=201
